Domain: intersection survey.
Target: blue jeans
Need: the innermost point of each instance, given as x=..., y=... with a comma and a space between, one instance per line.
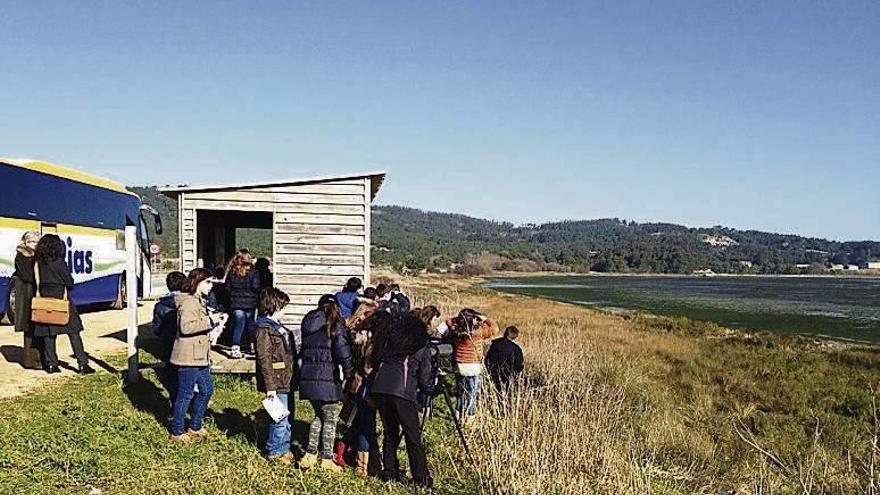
x=364, y=426
x=187, y=378
x=278, y=442
x=468, y=394
x=243, y=319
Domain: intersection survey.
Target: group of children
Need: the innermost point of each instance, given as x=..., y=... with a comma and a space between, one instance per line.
x=358, y=355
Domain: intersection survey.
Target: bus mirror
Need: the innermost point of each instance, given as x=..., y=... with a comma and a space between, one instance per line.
x=156, y=217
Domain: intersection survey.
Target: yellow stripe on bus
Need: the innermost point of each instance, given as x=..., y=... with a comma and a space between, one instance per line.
x=68, y=173
x=19, y=224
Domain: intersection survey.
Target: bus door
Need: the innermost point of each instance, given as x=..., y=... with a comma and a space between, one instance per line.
x=146, y=280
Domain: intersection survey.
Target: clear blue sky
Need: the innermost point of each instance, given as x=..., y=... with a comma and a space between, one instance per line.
x=760, y=114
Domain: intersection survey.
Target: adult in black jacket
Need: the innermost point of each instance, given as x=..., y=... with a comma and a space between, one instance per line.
x=55, y=282
x=396, y=302
x=404, y=372
x=504, y=360
x=243, y=284
x=25, y=288
x=326, y=363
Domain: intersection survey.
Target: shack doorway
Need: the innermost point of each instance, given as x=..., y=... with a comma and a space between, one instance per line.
x=220, y=233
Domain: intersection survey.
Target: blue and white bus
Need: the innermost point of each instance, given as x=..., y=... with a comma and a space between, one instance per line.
x=88, y=213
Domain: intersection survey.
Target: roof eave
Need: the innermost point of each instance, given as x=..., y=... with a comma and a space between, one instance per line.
x=376, y=180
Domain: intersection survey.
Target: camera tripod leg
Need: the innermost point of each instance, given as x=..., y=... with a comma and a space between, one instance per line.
x=457, y=421
x=426, y=415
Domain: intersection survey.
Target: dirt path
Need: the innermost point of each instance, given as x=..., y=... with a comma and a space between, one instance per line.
x=104, y=334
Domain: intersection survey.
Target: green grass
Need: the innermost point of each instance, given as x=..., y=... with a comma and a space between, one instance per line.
x=806, y=402
x=617, y=405
x=95, y=432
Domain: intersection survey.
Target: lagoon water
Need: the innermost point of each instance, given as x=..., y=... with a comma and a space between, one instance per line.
x=839, y=307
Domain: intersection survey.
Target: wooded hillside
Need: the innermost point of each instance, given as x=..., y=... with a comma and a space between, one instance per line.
x=414, y=239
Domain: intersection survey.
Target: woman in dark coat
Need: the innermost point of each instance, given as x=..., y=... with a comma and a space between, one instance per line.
x=362, y=433
x=55, y=281
x=25, y=289
x=403, y=378
x=326, y=364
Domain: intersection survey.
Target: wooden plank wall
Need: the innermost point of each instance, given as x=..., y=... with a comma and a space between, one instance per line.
x=187, y=239
x=321, y=234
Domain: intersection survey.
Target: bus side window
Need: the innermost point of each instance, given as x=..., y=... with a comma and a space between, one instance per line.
x=144, y=236
x=120, y=240
x=48, y=228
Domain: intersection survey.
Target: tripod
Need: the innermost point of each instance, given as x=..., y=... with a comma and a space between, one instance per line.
x=444, y=390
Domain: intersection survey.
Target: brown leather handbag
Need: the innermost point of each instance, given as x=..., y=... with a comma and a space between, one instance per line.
x=49, y=310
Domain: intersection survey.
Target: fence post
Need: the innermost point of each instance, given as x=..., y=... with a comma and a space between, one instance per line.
x=131, y=300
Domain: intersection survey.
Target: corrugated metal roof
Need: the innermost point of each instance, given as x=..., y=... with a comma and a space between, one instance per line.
x=376, y=180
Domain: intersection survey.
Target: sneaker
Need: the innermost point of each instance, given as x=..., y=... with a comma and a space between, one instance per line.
x=308, y=461
x=329, y=465
x=285, y=459
x=235, y=353
x=182, y=438
x=197, y=434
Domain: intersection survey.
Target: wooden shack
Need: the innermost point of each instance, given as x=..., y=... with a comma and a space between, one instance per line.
x=320, y=230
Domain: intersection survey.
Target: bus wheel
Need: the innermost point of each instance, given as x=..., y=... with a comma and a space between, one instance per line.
x=10, y=305
x=119, y=303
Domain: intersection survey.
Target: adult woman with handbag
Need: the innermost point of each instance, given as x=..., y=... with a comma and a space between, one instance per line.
x=54, y=281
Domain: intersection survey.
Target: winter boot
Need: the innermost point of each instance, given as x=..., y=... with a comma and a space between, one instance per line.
x=362, y=463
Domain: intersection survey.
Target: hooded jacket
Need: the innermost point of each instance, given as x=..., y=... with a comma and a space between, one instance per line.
x=469, y=348
x=404, y=363
x=276, y=356
x=192, y=347
x=325, y=362
x=24, y=265
x=347, y=302
x=504, y=360
x=165, y=324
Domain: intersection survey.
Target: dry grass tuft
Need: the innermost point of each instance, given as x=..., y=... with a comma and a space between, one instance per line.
x=617, y=405
x=611, y=405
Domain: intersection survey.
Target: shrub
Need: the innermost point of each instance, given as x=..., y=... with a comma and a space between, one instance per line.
x=487, y=261
x=555, y=267
x=470, y=270
x=521, y=265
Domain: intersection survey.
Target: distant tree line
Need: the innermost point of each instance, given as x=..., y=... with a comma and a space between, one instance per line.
x=415, y=240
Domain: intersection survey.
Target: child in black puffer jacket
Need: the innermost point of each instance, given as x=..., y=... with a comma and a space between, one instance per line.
x=325, y=365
